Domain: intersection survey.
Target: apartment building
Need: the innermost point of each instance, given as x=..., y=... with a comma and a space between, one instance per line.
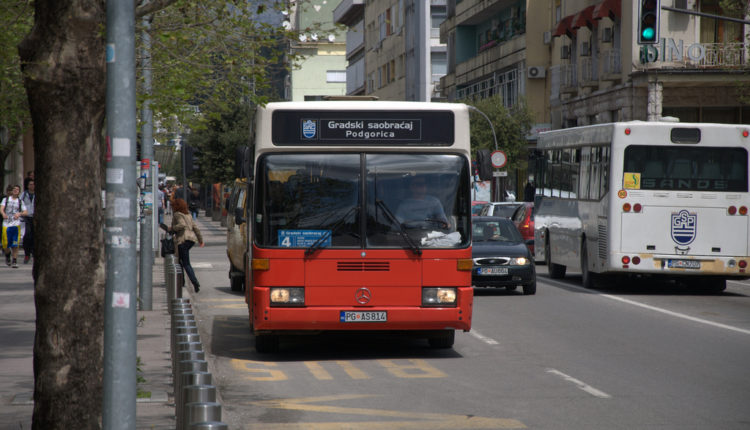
x=577, y=62
x=393, y=48
x=322, y=71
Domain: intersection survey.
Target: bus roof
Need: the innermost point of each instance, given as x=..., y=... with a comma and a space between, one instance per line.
x=604, y=133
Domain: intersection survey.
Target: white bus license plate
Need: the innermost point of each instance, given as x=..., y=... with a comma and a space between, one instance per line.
x=493, y=270
x=363, y=316
x=684, y=264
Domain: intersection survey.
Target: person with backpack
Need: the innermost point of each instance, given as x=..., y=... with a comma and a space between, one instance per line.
x=13, y=210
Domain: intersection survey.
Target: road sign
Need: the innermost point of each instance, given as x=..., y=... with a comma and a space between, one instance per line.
x=499, y=159
x=502, y=174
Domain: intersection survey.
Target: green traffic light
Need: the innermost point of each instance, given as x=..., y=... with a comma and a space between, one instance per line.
x=648, y=33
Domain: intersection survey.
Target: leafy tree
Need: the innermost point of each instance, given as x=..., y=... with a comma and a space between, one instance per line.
x=511, y=127
x=203, y=51
x=16, y=21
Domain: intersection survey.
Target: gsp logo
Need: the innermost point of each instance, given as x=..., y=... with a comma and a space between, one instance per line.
x=684, y=227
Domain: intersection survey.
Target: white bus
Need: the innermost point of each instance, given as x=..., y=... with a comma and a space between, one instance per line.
x=645, y=198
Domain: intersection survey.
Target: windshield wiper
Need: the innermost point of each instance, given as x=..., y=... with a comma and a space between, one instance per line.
x=414, y=247
x=318, y=243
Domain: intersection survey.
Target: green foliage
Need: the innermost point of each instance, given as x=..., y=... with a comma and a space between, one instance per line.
x=511, y=127
x=211, y=55
x=217, y=142
x=16, y=19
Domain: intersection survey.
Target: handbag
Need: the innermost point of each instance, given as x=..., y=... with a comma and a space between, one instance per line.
x=167, y=245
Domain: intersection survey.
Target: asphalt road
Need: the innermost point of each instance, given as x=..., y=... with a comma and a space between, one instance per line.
x=622, y=357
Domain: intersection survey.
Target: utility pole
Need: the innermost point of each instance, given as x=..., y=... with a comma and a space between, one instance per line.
x=120, y=301
x=147, y=157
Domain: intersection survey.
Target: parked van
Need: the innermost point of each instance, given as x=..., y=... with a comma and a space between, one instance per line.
x=237, y=234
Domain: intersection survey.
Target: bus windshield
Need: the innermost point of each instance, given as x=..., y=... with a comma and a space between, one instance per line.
x=688, y=169
x=319, y=201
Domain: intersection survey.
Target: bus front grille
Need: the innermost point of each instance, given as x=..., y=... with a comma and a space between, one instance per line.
x=363, y=266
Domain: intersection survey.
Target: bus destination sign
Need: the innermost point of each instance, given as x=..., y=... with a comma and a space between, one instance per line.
x=369, y=129
x=430, y=128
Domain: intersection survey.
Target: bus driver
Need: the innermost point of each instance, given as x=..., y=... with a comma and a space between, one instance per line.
x=421, y=210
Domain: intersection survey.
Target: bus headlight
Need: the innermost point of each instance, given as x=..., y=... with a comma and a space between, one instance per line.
x=520, y=261
x=438, y=296
x=287, y=296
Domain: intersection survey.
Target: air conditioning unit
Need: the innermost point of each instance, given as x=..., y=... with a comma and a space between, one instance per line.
x=607, y=34
x=535, y=72
x=565, y=52
x=585, y=49
x=547, y=37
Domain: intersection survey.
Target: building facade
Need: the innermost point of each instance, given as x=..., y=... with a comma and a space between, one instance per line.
x=393, y=48
x=322, y=69
x=577, y=62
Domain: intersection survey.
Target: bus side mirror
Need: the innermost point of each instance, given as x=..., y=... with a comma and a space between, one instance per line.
x=238, y=218
x=243, y=162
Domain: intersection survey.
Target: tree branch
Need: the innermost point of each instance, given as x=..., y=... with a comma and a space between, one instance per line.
x=147, y=7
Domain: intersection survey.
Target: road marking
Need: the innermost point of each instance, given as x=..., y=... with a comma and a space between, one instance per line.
x=652, y=308
x=408, y=420
x=483, y=338
x=677, y=314
x=317, y=371
x=267, y=374
x=202, y=265
x=416, y=369
x=582, y=385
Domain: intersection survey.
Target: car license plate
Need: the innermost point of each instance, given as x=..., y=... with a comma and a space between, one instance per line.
x=364, y=316
x=493, y=270
x=684, y=264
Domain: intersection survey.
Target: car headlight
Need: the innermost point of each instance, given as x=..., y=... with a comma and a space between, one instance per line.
x=520, y=261
x=287, y=296
x=439, y=296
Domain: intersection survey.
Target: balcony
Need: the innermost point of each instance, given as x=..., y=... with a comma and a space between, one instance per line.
x=568, y=79
x=589, y=72
x=611, y=65
x=491, y=59
x=355, y=76
x=724, y=55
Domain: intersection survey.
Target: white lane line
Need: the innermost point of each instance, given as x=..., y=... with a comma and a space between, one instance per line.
x=582, y=385
x=677, y=314
x=483, y=338
x=652, y=308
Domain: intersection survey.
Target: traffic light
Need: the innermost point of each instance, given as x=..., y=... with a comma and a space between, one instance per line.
x=648, y=22
x=191, y=160
x=484, y=164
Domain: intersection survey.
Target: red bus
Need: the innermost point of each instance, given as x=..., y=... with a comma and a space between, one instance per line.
x=360, y=220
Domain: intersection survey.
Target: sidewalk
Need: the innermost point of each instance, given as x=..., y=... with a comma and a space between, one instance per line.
x=17, y=328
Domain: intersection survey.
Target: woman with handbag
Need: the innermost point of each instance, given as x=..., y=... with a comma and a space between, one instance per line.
x=186, y=234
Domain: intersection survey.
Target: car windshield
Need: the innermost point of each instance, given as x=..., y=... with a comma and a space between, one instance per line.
x=318, y=201
x=501, y=230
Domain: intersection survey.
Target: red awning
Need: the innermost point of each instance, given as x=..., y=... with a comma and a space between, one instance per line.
x=584, y=18
x=607, y=9
x=563, y=27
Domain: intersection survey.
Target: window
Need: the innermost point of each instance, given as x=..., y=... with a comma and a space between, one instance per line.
x=336, y=76
x=688, y=169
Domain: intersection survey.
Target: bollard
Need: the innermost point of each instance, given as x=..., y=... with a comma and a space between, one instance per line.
x=177, y=302
x=183, y=338
x=194, y=394
x=183, y=347
x=201, y=412
x=185, y=366
x=208, y=425
x=180, y=276
x=186, y=379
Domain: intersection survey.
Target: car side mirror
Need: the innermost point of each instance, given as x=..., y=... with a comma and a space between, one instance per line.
x=530, y=242
x=238, y=218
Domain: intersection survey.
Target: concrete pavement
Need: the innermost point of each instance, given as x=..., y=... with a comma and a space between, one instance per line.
x=17, y=327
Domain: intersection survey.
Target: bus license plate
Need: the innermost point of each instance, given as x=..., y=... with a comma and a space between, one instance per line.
x=493, y=270
x=684, y=264
x=364, y=316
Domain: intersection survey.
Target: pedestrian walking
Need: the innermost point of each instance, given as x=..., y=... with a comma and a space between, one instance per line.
x=187, y=234
x=29, y=199
x=194, y=203
x=13, y=210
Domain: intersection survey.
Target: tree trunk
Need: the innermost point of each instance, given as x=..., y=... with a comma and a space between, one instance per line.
x=65, y=78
